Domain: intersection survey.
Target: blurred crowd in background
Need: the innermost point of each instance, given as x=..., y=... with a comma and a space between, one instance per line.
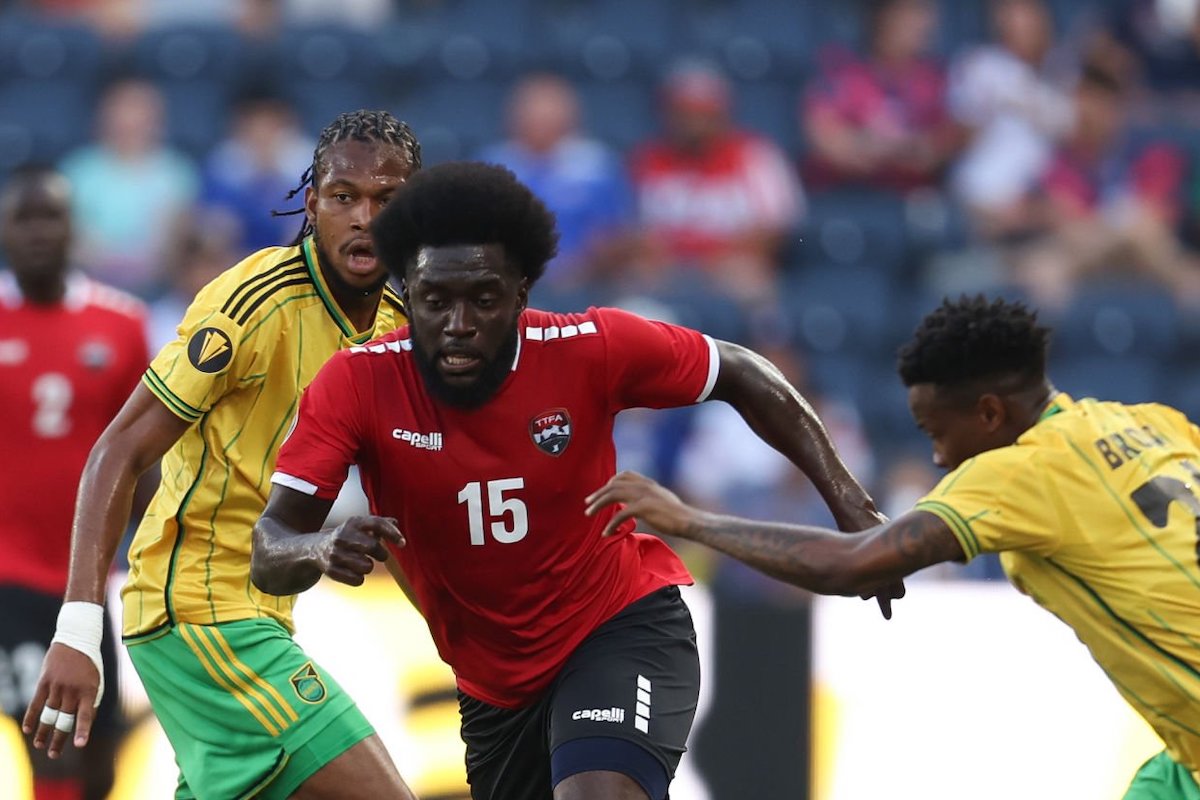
x=804, y=177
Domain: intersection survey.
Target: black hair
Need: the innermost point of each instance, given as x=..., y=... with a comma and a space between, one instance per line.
x=972, y=339
x=362, y=126
x=28, y=175
x=466, y=202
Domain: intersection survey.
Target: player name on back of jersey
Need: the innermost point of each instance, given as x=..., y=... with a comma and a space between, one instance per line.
x=421, y=441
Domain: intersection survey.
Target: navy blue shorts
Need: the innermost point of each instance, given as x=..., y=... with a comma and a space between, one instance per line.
x=624, y=702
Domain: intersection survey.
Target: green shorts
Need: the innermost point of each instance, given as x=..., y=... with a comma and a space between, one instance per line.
x=1162, y=778
x=247, y=712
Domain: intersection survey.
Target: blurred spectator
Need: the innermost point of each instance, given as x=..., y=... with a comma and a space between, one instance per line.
x=1012, y=99
x=881, y=120
x=1107, y=203
x=203, y=246
x=1158, y=43
x=252, y=170
x=711, y=196
x=581, y=181
x=129, y=189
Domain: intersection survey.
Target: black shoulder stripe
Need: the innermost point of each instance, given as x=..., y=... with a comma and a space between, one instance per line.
x=283, y=278
x=395, y=302
x=274, y=289
x=248, y=285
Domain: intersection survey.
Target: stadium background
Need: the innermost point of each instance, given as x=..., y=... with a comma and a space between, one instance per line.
x=858, y=261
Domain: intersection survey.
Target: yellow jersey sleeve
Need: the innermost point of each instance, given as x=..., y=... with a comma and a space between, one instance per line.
x=207, y=360
x=997, y=501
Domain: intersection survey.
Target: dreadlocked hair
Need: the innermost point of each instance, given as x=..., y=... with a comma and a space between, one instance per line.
x=363, y=126
x=974, y=338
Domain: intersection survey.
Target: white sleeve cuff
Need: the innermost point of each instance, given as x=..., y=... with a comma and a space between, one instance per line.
x=714, y=369
x=292, y=482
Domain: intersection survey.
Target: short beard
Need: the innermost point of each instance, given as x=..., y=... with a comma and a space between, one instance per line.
x=340, y=285
x=476, y=394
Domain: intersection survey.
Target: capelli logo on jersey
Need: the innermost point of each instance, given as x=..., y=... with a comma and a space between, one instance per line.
x=613, y=714
x=421, y=441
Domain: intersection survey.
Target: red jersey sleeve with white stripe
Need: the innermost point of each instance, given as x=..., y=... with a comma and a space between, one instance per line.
x=653, y=364
x=324, y=440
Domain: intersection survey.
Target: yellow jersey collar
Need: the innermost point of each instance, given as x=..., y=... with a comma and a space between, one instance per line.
x=309, y=250
x=1059, y=403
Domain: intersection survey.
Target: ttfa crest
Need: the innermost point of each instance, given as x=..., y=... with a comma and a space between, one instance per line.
x=551, y=431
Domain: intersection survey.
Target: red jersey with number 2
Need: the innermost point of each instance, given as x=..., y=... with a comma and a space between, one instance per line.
x=65, y=370
x=510, y=574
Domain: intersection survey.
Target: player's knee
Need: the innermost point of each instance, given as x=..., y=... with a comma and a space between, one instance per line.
x=600, y=785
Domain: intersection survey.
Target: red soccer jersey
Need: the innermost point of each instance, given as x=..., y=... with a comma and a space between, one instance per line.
x=510, y=574
x=65, y=370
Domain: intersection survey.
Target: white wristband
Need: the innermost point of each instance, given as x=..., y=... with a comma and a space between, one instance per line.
x=81, y=627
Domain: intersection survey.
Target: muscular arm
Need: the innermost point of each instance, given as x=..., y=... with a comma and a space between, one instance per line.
x=816, y=559
x=829, y=562
x=783, y=419
x=143, y=430
x=290, y=552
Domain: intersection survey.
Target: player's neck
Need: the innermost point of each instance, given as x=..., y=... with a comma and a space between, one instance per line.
x=43, y=290
x=359, y=308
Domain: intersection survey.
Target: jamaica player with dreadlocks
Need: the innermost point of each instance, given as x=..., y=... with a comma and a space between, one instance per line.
x=246, y=711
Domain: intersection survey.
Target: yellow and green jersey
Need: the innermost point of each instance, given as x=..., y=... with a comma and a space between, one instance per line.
x=248, y=345
x=1095, y=513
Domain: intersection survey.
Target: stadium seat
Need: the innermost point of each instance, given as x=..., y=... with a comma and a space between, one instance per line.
x=198, y=68
x=769, y=108
x=453, y=119
x=564, y=30
x=35, y=48
x=620, y=113
x=1181, y=388
x=838, y=310
x=754, y=38
x=857, y=227
x=52, y=116
x=1117, y=318
x=1126, y=380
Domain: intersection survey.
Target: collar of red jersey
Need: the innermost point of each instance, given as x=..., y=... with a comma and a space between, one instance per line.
x=75, y=298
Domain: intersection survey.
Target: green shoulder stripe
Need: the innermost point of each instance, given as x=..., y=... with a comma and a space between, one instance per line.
x=160, y=390
x=958, y=525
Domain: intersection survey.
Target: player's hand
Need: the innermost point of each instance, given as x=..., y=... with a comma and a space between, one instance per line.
x=863, y=519
x=64, y=700
x=653, y=504
x=884, y=595
x=348, y=553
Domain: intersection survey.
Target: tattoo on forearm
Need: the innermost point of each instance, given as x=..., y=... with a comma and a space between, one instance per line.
x=830, y=562
x=920, y=540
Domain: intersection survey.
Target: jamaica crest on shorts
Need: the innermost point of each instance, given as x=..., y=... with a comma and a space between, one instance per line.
x=551, y=431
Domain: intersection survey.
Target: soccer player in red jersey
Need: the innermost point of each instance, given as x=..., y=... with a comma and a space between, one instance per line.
x=480, y=429
x=70, y=352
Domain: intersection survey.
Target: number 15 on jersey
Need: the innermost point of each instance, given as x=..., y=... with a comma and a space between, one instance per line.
x=505, y=529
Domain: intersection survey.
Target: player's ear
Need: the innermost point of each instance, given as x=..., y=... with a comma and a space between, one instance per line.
x=523, y=294
x=310, y=205
x=992, y=411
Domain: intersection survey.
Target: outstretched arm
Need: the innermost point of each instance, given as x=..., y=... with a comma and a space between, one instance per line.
x=817, y=559
x=290, y=552
x=143, y=430
x=784, y=419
